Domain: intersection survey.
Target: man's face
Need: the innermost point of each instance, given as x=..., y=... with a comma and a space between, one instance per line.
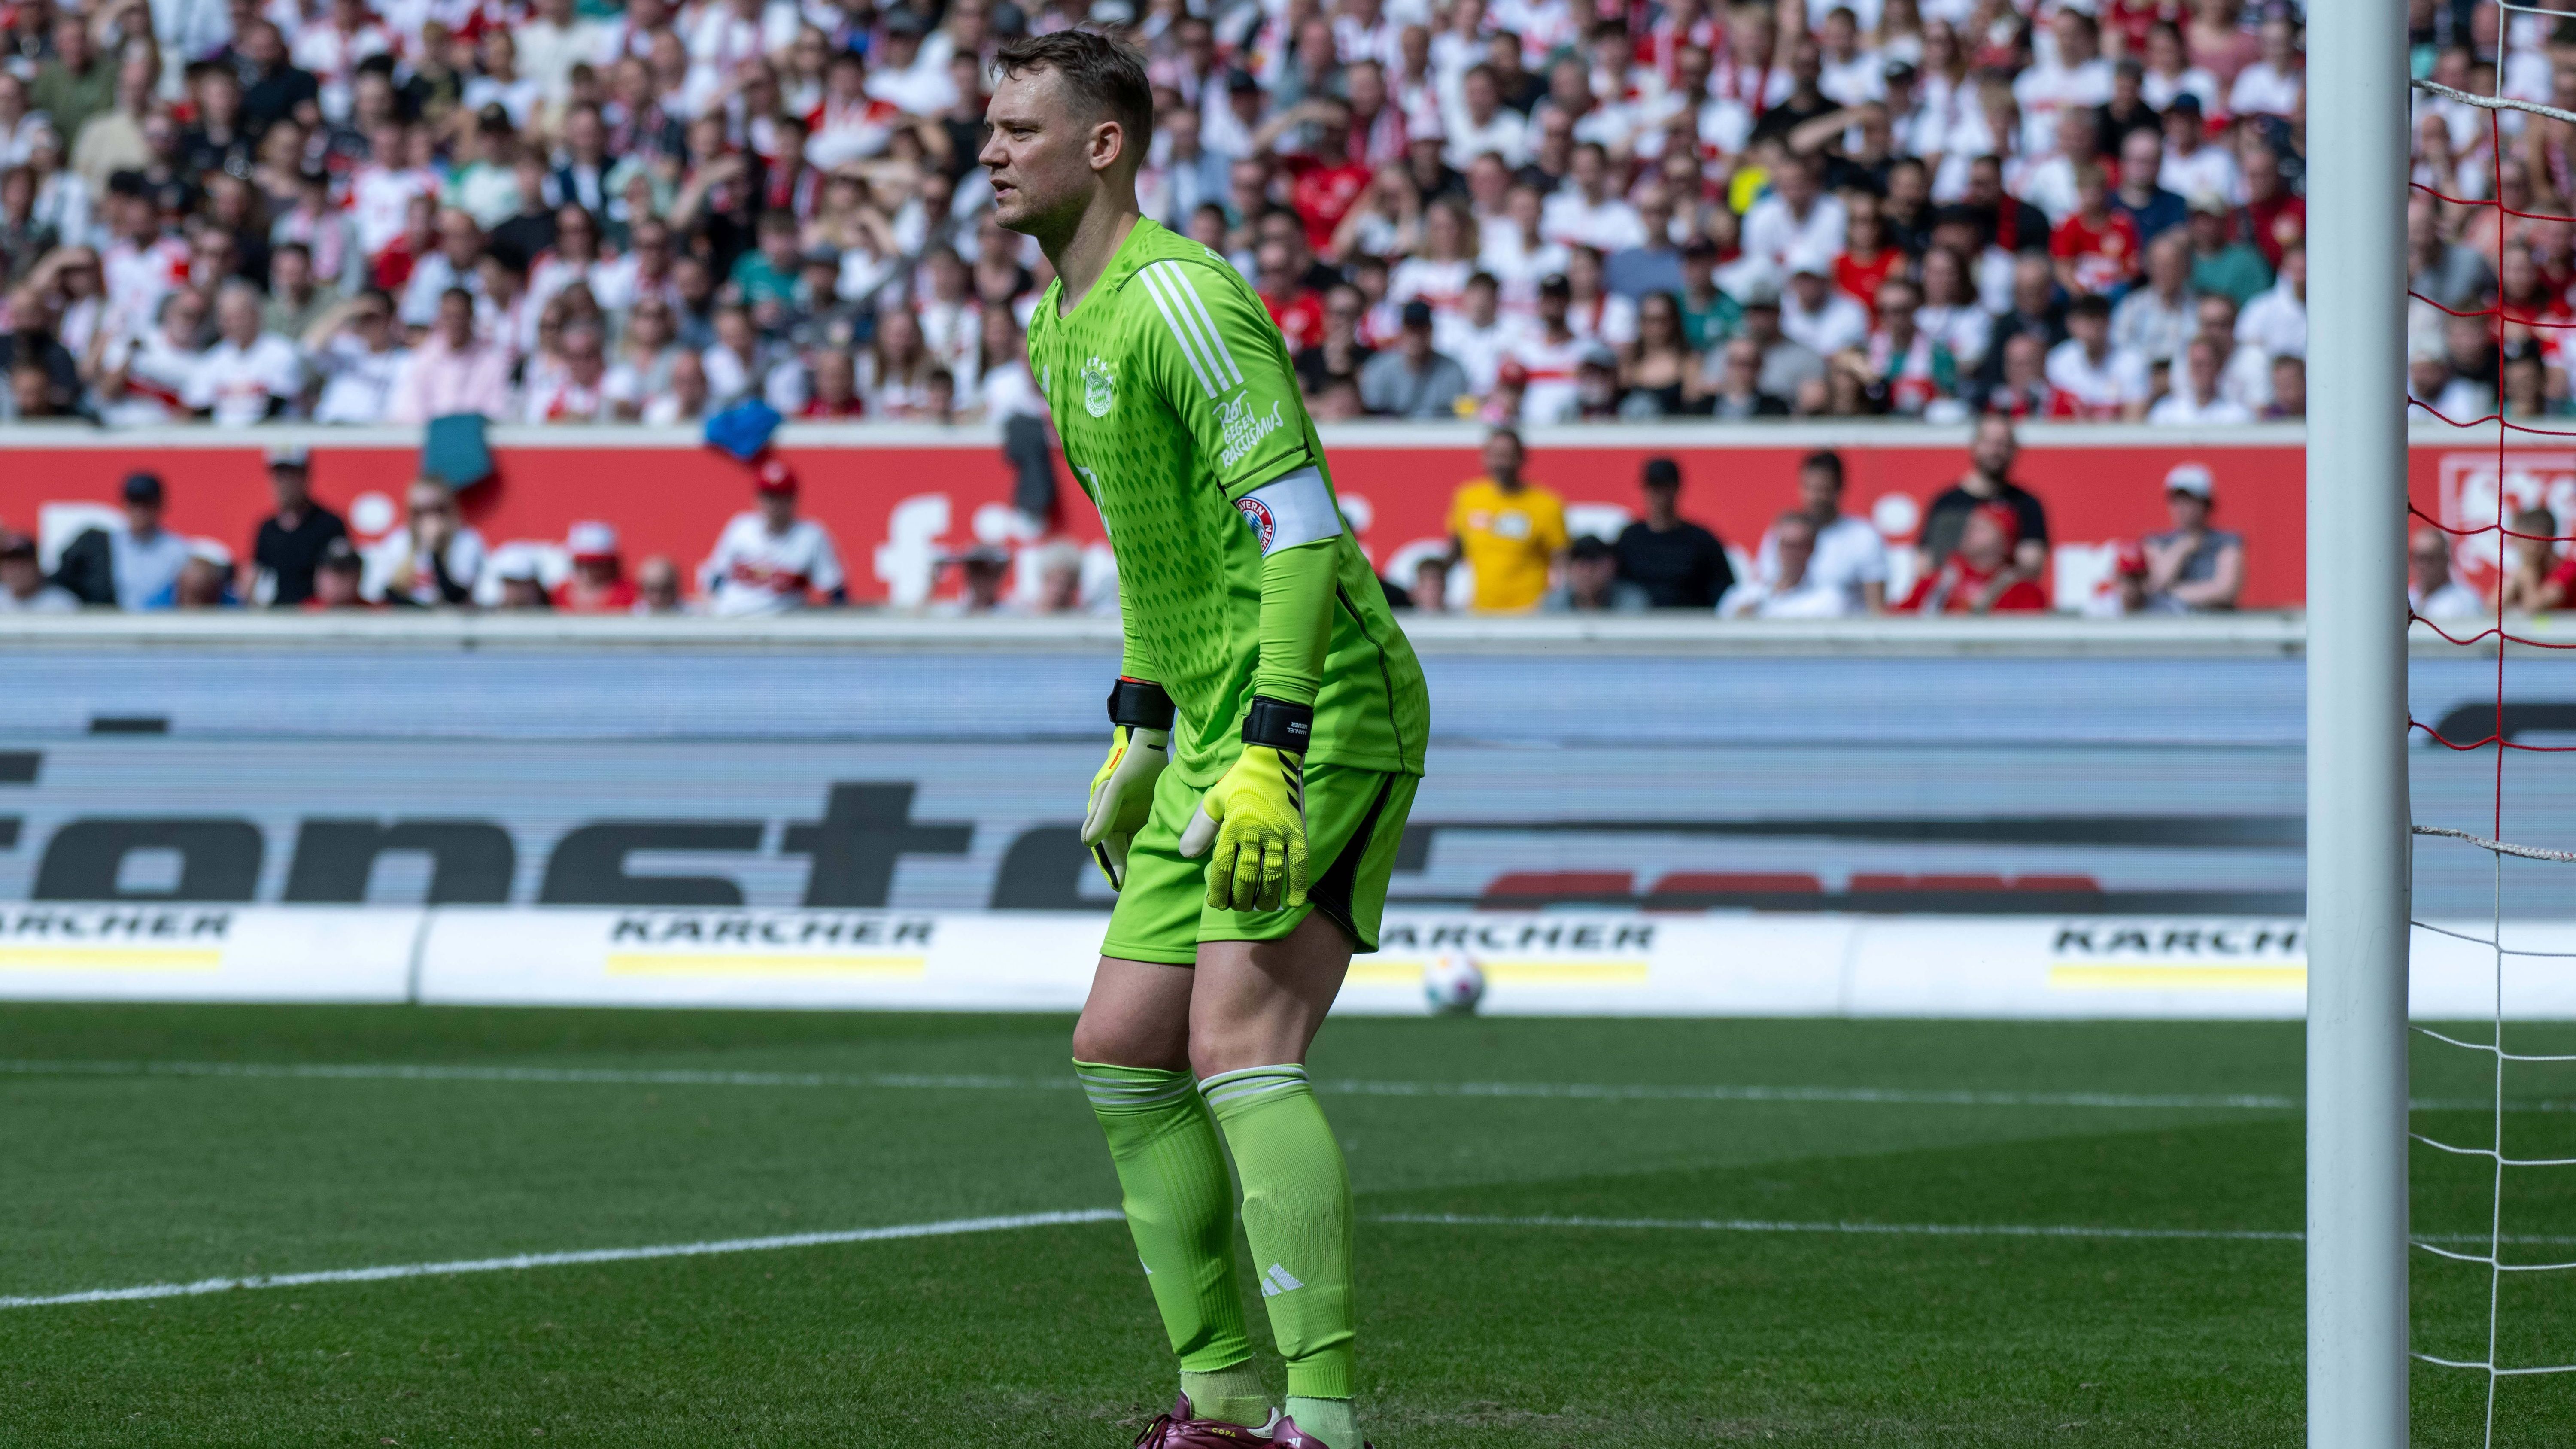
x=335, y=588
x=2187, y=510
x=1994, y=450
x=143, y=515
x=778, y=510
x=20, y=576
x=238, y=315
x=1820, y=491
x=1591, y=577
x=1743, y=366
x=2428, y=560
x=433, y=511
x=2142, y=156
x=1762, y=324
x=1042, y=156
x=1503, y=458
x=1981, y=541
x=658, y=582
x=456, y=322
x=2091, y=329
x=290, y=486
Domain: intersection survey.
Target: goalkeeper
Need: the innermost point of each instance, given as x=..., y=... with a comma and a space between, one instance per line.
x=1266, y=738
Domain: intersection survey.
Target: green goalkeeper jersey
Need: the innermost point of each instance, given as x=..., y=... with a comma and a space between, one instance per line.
x=1179, y=411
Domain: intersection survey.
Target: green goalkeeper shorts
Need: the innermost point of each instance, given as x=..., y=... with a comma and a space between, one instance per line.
x=1354, y=824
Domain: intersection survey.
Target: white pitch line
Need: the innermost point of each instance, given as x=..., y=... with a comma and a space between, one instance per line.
x=956, y=1226
x=1919, y=1230
x=1568, y=1091
x=949, y=1228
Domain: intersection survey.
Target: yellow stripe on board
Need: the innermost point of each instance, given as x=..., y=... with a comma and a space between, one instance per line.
x=1613, y=972
x=111, y=958
x=2177, y=978
x=777, y=965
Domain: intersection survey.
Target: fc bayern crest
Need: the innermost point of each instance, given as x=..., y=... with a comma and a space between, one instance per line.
x=1257, y=513
x=1099, y=388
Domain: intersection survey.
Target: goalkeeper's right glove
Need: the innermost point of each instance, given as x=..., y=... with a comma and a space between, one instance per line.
x=1122, y=792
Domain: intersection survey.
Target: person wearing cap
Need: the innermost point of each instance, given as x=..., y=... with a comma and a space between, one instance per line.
x=1548, y=354
x=1592, y=584
x=898, y=68
x=289, y=543
x=1413, y=379
x=518, y=579
x=1979, y=577
x=597, y=583
x=1788, y=365
x=1816, y=314
x=2225, y=263
x=24, y=589
x=338, y=573
x=2123, y=591
x=133, y=563
x=768, y=560
x=433, y=560
x=2191, y=566
x=1676, y=563
x=2193, y=167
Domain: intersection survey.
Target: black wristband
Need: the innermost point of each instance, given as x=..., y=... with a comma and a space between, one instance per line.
x=1139, y=704
x=1279, y=724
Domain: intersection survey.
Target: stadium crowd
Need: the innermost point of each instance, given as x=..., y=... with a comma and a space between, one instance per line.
x=1520, y=211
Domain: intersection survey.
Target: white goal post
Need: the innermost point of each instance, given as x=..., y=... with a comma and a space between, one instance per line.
x=2358, y=844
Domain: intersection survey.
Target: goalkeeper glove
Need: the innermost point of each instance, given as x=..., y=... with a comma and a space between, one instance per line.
x=1255, y=814
x=1122, y=792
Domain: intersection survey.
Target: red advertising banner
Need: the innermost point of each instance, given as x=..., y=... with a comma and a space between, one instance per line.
x=899, y=502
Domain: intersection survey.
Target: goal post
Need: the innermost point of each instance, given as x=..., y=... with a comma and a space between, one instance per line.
x=2358, y=846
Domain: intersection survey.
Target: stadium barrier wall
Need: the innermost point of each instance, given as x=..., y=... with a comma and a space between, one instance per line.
x=900, y=497
x=1561, y=963
x=2042, y=816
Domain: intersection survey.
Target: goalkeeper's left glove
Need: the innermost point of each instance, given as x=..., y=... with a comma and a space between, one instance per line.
x=1122, y=793
x=1255, y=814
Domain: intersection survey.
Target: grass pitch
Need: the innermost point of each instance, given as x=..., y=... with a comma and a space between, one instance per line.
x=1570, y=1238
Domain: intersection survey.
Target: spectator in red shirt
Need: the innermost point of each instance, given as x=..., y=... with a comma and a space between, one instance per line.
x=598, y=584
x=1867, y=259
x=2096, y=248
x=1325, y=182
x=1292, y=304
x=1978, y=577
x=2272, y=216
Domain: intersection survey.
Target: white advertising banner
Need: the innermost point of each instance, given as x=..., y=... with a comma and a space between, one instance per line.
x=1551, y=963
x=135, y=952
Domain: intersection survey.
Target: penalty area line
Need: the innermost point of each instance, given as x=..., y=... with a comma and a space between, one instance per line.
x=952, y=1227
x=2077, y=1231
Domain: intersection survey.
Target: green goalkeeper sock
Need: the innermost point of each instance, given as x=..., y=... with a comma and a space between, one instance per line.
x=1330, y=1420
x=1180, y=1210
x=1297, y=1216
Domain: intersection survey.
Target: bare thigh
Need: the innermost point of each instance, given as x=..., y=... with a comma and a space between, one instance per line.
x=1260, y=1003
x=1247, y=1004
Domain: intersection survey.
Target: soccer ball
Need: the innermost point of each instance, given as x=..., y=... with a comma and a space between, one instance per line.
x=1452, y=984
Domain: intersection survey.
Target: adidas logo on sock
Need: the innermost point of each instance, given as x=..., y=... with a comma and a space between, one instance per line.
x=1278, y=1281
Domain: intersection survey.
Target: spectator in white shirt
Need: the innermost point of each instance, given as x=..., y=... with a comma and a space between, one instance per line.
x=1817, y=314
x=1846, y=554
x=573, y=392
x=2430, y=590
x=2092, y=379
x=23, y=586
x=432, y=560
x=134, y=563
x=1797, y=214
x=2195, y=399
x=2193, y=167
x=2154, y=320
x=361, y=358
x=768, y=561
x=2247, y=377
x=2271, y=85
x=1481, y=123
x=2075, y=77
x=1477, y=335
x=554, y=40
x=1588, y=212
x=248, y=376
x=1792, y=591
x=2277, y=321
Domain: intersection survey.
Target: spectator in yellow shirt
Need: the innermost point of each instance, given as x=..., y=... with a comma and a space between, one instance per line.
x=1509, y=531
